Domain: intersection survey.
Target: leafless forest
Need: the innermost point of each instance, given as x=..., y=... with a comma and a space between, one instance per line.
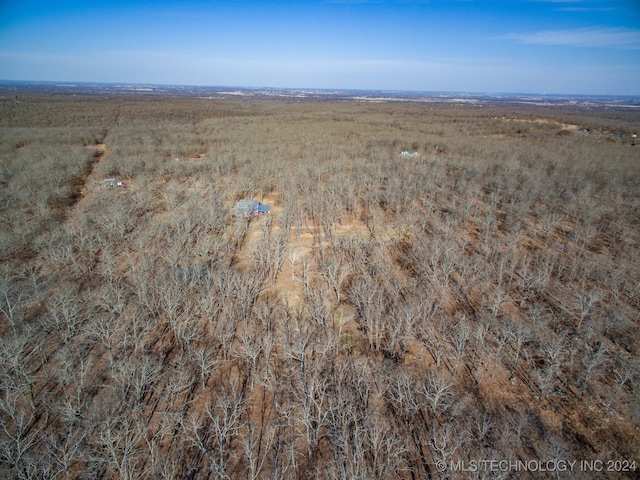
x=478, y=301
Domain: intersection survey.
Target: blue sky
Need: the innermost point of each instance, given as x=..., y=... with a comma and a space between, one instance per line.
x=493, y=46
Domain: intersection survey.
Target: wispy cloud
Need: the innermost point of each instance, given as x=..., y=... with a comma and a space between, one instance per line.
x=586, y=9
x=582, y=37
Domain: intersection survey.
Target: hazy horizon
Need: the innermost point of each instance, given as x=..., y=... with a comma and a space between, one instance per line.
x=143, y=87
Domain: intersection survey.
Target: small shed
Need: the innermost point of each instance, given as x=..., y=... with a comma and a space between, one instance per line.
x=408, y=154
x=263, y=208
x=110, y=182
x=246, y=208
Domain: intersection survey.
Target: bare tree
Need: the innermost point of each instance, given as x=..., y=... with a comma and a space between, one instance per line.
x=11, y=303
x=594, y=358
x=66, y=450
x=526, y=279
x=587, y=300
x=316, y=306
x=554, y=351
x=104, y=330
x=437, y=392
x=314, y=400
x=386, y=448
x=460, y=339
x=625, y=374
x=161, y=464
x=34, y=273
x=436, y=346
x=369, y=300
x=172, y=299
x=121, y=437
x=250, y=349
x=225, y=422
x=146, y=372
x=21, y=431
x=207, y=361
x=519, y=334
x=482, y=426
x=445, y=442
x=291, y=260
x=402, y=396
x=257, y=445
x=17, y=369
x=64, y=313
x=75, y=382
x=334, y=270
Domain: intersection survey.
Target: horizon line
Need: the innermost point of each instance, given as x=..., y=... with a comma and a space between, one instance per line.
x=73, y=83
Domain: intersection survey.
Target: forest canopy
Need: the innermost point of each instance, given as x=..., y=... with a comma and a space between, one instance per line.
x=393, y=316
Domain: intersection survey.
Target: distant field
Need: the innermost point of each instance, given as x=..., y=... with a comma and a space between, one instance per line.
x=393, y=316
